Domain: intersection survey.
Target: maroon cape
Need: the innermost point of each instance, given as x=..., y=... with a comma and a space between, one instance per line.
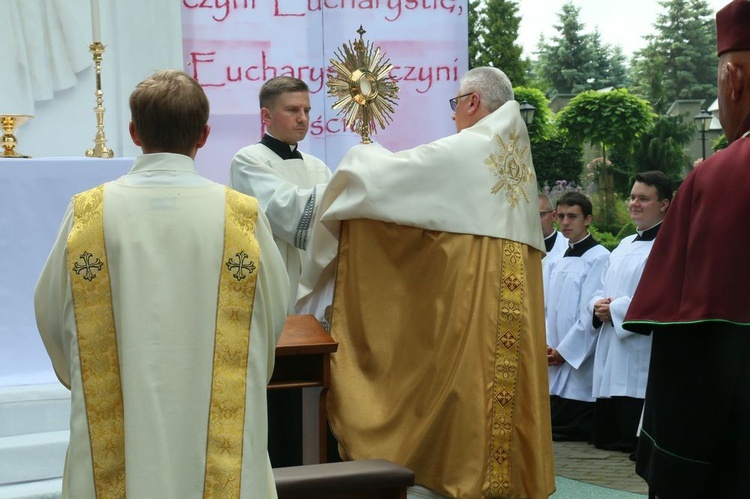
x=699, y=267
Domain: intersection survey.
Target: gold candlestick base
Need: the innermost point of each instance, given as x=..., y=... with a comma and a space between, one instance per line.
x=100, y=149
x=9, y=123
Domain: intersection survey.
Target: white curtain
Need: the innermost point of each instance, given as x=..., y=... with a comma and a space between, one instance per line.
x=45, y=48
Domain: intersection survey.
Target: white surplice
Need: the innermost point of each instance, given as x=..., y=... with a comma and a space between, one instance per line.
x=557, y=251
x=573, y=280
x=289, y=192
x=622, y=357
x=164, y=236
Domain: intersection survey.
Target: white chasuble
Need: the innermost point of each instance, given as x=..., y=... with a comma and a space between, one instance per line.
x=191, y=335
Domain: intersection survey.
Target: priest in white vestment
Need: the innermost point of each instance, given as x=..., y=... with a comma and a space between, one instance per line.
x=287, y=183
x=160, y=306
x=573, y=279
x=438, y=305
x=622, y=357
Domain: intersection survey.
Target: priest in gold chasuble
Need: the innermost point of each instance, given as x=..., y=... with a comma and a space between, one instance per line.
x=435, y=253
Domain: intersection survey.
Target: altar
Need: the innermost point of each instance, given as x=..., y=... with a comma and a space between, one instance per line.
x=34, y=194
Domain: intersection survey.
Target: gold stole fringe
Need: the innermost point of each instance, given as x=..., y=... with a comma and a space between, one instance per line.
x=97, y=344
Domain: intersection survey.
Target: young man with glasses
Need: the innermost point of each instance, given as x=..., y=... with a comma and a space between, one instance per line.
x=554, y=242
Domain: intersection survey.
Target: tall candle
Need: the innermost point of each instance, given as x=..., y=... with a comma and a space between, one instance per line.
x=95, y=27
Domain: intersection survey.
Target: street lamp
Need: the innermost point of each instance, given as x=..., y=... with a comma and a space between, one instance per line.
x=527, y=112
x=703, y=122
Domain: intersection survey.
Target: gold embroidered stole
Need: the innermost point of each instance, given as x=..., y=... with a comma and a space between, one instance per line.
x=97, y=345
x=231, y=348
x=512, y=279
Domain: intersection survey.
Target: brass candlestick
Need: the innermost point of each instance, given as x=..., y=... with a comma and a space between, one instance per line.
x=363, y=86
x=9, y=123
x=100, y=149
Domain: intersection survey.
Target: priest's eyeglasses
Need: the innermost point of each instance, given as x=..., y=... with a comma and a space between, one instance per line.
x=454, y=101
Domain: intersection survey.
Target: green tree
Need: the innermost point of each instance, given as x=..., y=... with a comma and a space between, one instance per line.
x=493, y=38
x=679, y=60
x=555, y=156
x=614, y=119
x=608, y=67
x=663, y=147
x=647, y=78
x=566, y=62
x=575, y=61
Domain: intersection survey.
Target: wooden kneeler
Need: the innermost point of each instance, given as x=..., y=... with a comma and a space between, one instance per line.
x=367, y=479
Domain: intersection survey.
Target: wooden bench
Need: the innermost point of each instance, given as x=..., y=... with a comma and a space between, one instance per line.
x=367, y=479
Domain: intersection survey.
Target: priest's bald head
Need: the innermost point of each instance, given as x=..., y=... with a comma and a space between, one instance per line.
x=481, y=91
x=733, y=40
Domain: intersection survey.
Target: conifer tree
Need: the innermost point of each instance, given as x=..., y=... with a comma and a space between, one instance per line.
x=493, y=38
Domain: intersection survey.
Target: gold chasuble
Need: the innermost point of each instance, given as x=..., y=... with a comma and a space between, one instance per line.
x=98, y=345
x=456, y=337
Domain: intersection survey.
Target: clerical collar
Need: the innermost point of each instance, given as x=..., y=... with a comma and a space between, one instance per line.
x=282, y=149
x=648, y=234
x=549, y=241
x=581, y=247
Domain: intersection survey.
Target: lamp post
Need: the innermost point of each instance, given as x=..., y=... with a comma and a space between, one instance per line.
x=527, y=112
x=703, y=122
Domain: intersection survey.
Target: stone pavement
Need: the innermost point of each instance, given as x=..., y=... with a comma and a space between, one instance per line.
x=584, y=462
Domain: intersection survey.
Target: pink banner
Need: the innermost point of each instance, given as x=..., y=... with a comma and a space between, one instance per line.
x=232, y=46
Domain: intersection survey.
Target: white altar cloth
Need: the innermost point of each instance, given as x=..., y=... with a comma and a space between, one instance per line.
x=33, y=196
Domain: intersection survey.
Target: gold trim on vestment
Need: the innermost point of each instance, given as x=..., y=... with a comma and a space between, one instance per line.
x=97, y=343
x=506, y=368
x=441, y=365
x=231, y=348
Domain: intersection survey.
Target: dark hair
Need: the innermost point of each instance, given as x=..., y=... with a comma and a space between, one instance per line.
x=169, y=110
x=576, y=199
x=659, y=180
x=274, y=87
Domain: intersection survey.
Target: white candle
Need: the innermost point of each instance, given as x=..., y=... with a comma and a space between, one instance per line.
x=95, y=27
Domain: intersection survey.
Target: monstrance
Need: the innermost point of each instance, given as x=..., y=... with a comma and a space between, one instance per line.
x=362, y=84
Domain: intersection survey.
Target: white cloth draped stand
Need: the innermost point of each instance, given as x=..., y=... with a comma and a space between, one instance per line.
x=33, y=196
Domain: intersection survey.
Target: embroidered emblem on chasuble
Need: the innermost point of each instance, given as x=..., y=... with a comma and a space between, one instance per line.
x=510, y=164
x=506, y=368
x=226, y=423
x=243, y=269
x=97, y=343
